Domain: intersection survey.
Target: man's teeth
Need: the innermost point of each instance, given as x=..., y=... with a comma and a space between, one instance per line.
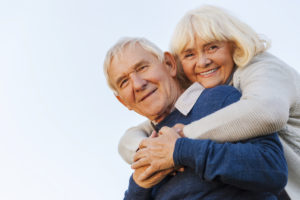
x=208, y=72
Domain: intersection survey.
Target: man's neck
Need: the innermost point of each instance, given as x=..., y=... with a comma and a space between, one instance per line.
x=169, y=109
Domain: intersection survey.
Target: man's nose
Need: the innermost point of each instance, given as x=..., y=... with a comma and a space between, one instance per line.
x=203, y=61
x=138, y=82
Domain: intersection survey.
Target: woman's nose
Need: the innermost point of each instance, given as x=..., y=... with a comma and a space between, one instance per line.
x=203, y=61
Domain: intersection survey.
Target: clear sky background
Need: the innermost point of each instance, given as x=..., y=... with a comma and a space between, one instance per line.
x=59, y=122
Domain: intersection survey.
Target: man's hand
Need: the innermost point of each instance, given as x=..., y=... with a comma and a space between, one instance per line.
x=151, y=181
x=157, y=153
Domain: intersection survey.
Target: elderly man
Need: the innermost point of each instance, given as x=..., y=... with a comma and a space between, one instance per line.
x=144, y=80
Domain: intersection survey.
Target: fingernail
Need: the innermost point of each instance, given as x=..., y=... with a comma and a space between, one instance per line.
x=178, y=130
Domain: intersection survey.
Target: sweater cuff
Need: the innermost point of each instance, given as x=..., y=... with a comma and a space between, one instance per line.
x=136, y=192
x=184, y=152
x=191, y=153
x=177, y=150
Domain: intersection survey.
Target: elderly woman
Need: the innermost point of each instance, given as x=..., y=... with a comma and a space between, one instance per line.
x=215, y=48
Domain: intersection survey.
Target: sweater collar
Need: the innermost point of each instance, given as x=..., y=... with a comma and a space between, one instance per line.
x=230, y=79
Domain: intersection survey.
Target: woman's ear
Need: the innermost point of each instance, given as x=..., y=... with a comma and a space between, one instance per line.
x=122, y=102
x=170, y=63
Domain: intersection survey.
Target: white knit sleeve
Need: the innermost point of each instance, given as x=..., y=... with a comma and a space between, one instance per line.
x=130, y=141
x=268, y=91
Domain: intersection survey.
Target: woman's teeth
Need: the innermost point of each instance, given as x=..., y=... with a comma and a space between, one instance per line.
x=208, y=72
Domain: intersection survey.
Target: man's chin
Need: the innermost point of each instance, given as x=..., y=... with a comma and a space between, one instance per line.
x=158, y=117
x=152, y=116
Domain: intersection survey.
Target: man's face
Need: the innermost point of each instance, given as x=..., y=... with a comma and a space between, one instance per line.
x=143, y=83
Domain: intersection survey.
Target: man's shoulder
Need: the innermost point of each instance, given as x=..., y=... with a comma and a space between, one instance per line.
x=222, y=95
x=220, y=90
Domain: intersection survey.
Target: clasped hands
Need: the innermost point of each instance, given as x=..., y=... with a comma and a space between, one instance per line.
x=154, y=159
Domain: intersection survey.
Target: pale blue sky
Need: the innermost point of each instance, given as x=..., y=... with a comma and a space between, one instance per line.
x=59, y=122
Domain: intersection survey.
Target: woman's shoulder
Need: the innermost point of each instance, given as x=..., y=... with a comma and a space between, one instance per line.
x=264, y=64
x=264, y=60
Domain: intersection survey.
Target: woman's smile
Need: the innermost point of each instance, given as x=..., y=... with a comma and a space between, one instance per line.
x=208, y=73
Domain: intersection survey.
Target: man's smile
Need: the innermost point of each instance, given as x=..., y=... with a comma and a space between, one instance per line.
x=147, y=95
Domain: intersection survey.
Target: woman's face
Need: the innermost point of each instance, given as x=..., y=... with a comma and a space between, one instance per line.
x=210, y=64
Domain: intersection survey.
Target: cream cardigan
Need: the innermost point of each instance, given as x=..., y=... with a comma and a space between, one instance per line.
x=270, y=102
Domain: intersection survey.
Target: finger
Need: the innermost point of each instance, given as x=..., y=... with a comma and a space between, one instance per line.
x=140, y=163
x=181, y=169
x=179, y=129
x=164, y=172
x=148, y=173
x=142, y=144
x=180, y=126
x=161, y=174
x=163, y=130
x=139, y=154
x=145, y=142
x=154, y=134
x=171, y=132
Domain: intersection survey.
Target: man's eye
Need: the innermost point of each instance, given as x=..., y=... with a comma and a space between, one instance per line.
x=123, y=83
x=141, y=68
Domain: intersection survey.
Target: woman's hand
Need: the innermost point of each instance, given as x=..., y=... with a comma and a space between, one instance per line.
x=179, y=129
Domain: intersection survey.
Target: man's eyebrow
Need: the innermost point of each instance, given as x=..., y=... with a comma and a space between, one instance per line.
x=142, y=62
x=120, y=79
x=187, y=50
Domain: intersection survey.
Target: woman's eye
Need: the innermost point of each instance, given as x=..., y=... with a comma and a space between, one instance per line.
x=188, y=55
x=212, y=48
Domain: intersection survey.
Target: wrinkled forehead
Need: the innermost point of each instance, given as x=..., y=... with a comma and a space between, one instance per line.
x=122, y=56
x=127, y=59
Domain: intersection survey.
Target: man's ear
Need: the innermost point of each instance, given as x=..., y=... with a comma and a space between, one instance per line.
x=171, y=63
x=122, y=102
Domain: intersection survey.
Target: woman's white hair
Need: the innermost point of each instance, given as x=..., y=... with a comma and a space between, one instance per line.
x=211, y=23
x=127, y=42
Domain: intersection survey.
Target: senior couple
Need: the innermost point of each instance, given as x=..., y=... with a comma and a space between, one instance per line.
x=169, y=165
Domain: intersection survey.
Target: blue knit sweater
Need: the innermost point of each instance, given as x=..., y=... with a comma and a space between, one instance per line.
x=250, y=169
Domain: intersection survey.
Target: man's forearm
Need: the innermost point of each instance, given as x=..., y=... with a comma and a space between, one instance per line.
x=257, y=164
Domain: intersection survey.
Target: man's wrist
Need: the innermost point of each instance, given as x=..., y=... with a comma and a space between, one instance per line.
x=177, y=149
